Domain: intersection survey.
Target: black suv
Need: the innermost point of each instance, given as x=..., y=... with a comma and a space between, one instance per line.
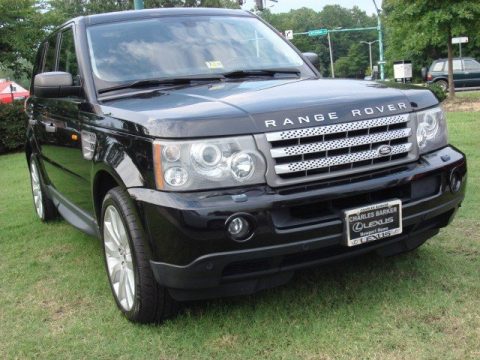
x=466, y=73
x=212, y=160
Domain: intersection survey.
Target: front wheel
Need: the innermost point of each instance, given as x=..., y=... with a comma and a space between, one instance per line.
x=136, y=292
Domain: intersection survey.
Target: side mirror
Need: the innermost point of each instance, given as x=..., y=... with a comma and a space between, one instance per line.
x=55, y=84
x=313, y=58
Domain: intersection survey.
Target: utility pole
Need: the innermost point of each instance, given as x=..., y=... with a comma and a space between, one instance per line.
x=380, y=42
x=331, y=55
x=369, y=43
x=138, y=4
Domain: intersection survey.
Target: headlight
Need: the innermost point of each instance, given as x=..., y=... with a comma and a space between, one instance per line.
x=207, y=164
x=431, y=130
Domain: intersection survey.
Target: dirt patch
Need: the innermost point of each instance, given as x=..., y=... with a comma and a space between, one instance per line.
x=461, y=105
x=225, y=341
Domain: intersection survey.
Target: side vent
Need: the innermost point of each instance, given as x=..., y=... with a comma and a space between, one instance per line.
x=89, y=140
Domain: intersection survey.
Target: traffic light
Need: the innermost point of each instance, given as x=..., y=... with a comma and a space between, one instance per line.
x=259, y=4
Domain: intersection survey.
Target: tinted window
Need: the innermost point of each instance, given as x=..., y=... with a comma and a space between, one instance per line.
x=49, y=64
x=183, y=46
x=439, y=66
x=471, y=65
x=457, y=65
x=67, y=59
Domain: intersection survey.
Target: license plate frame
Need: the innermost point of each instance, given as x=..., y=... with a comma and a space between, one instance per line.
x=373, y=222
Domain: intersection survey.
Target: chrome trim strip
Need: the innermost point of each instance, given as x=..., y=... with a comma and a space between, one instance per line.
x=336, y=128
x=339, y=144
x=339, y=160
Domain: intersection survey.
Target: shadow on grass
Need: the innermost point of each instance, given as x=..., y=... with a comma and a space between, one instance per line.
x=359, y=283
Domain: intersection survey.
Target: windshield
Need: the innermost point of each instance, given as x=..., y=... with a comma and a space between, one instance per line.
x=167, y=47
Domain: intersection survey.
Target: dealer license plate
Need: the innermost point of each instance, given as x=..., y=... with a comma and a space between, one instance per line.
x=373, y=222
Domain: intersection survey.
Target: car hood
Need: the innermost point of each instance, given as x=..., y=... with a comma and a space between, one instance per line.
x=248, y=107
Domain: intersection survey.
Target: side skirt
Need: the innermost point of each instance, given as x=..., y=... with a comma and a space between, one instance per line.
x=74, y=215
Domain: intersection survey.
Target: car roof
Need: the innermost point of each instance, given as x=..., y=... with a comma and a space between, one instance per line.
x=457, y=58
x=150, y=13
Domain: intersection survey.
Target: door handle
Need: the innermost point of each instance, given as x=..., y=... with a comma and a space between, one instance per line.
x=50, y=128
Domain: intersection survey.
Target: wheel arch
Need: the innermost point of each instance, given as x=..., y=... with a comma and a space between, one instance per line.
x=103, y=181
x=440, y=79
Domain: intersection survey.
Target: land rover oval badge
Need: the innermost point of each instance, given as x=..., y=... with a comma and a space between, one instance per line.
x=384, y=150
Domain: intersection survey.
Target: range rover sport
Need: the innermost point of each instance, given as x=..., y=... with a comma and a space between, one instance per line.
x=211, y=159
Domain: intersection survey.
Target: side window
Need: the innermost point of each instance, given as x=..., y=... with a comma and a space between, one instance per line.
x=67, y=58
x=37, y=67
x=438, y=66
x=471, y=65
x=49, y=62
x=457, y=65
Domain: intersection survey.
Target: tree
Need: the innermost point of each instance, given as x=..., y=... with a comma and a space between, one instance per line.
x=21, y=30
x=417, y=26
x=62, y=10
x=331, y=17
x=232, y=4
x=354, y=64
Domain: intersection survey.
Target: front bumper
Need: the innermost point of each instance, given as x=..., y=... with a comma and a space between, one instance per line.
x=295, y=227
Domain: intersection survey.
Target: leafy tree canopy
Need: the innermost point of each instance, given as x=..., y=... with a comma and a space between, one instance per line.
x=421, y=30
x=343, y=44
x=20, y=31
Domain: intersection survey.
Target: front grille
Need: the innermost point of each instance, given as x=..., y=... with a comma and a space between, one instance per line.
x=340, y=149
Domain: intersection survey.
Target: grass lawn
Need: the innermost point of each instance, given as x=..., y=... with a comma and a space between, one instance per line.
x=468, y=95
x=55, y=301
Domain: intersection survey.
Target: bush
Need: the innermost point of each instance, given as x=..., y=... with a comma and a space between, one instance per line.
x=437, y=91
x=12, y=126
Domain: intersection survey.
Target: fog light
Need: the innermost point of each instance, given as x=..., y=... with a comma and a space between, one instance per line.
x=239, y=228
x=455, y=181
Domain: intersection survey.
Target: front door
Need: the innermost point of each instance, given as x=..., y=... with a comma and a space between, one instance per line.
x=60, y=128
x=458, y=74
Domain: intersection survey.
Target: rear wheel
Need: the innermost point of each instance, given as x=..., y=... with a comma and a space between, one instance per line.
x=44, y=207
x=136, y=292
x=443, y=84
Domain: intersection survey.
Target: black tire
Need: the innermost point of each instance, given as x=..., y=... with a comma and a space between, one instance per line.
x=151, y=302
x=49, y=211
x=443, y=84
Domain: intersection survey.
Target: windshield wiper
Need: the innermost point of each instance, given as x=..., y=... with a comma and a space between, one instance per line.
x=260, y=72
x=162, y=81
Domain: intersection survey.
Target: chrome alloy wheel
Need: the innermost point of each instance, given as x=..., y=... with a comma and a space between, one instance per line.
x=119, y=258
x=36, y=190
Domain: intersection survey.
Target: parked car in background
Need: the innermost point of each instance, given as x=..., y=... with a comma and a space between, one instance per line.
x=466, y=73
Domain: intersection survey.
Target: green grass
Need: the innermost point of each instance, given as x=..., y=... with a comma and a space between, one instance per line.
x=55, y=301
x=468, y=95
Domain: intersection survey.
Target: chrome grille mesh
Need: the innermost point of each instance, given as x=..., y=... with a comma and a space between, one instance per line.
x=340, y=148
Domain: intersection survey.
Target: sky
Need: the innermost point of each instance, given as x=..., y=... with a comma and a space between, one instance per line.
x=286, y=5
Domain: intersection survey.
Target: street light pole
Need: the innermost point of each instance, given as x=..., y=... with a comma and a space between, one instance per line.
x=369, y=43
x=380, y=42
x=331, y=55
